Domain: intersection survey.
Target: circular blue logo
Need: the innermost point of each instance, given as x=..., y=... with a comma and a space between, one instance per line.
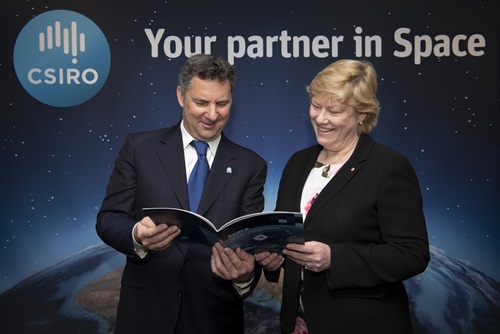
x=62, y=58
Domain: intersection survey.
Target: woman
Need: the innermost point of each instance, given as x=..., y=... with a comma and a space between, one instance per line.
x=362, y=205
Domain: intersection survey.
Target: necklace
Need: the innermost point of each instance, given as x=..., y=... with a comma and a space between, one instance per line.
x=337, y=160
x=326, y=168
x=343, y=155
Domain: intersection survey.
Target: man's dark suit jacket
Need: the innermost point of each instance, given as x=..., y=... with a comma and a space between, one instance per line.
x=176, y=283
x=371, y=215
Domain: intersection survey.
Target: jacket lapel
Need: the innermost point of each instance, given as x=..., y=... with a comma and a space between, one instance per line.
x=308, y=164
x=343, y=176
x=171, y=154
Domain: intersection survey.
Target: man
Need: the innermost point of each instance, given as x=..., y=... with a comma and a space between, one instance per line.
x=177, y=287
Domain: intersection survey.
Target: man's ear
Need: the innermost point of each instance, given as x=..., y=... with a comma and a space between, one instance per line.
x=179, y=96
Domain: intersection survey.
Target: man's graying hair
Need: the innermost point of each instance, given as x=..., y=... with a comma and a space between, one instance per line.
x=206, y=67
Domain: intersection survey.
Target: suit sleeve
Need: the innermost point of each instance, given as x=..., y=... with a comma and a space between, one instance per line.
x=253, y=197
x=287, y=200
x=116, y=218
x=253, y=201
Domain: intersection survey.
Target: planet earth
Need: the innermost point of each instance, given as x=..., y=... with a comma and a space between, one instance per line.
x=80, y=295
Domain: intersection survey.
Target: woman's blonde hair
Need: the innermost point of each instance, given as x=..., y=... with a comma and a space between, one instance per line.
x=353, y=82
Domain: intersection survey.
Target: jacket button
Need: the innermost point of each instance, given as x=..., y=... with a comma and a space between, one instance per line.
x=187, y=261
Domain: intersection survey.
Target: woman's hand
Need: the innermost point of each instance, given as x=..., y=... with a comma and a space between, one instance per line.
x=313, y=255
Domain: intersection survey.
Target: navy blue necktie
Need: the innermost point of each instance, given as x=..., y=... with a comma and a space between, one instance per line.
x=198, y=176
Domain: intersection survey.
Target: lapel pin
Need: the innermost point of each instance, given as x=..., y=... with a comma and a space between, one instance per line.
x=229, y=170
x=352, y=169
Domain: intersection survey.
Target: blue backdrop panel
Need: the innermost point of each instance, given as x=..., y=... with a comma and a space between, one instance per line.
x=438, y=86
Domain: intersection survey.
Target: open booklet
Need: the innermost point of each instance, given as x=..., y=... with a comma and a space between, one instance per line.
x=254, y=233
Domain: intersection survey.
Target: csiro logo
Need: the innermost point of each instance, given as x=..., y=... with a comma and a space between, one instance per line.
x=62, y=58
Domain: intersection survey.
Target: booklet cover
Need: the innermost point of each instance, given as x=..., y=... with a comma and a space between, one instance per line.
x=254, y=233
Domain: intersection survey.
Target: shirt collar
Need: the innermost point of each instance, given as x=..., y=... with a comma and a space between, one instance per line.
x=187, y=138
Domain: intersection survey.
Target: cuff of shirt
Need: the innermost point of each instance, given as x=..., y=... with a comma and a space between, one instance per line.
x=243, y=288
x=138, y=248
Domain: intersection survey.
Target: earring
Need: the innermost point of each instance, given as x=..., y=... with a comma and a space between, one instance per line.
x=360, y=123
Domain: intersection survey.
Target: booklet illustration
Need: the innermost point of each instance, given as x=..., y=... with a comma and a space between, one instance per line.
x=254, y=233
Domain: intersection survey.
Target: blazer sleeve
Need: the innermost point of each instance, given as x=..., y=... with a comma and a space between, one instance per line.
x=289, y=191
x=391, y=243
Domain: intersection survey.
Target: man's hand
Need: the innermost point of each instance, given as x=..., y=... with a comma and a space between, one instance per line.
x=230, y=265
x=270, y=261
x=155, y=237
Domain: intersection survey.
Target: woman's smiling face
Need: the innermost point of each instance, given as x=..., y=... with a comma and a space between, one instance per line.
x=335, y=123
